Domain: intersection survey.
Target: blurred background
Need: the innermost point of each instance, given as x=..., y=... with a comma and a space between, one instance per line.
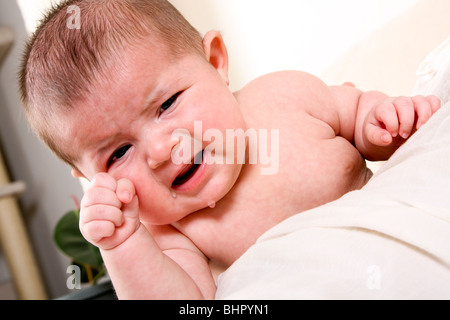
x=377, y=44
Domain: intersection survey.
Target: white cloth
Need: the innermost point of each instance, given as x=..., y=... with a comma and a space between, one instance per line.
x=390, y=240
x=434, y=73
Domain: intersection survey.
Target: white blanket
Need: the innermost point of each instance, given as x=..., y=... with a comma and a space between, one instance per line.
x=390, y=240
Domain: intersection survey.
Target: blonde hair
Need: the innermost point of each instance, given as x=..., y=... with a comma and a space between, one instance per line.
x=60, y=63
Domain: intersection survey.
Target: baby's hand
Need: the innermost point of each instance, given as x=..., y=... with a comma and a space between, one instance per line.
x=109, y=212
x=396, y=119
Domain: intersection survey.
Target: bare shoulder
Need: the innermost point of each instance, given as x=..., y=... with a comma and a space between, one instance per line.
x=289, y=83
x=287, y=77
x=289, y=92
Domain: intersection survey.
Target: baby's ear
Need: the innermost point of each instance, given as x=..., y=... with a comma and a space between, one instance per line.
x=216, y=53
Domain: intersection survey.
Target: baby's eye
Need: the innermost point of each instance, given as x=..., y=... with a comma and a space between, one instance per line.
x=166, y=105
x=119, y=153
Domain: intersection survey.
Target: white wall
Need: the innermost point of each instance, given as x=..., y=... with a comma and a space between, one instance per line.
x=267, y=35
x=262, y=36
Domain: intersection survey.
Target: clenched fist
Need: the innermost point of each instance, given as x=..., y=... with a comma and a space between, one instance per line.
x=109, y=212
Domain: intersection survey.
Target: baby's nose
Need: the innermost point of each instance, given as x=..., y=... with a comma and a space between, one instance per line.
x=154, y=164
x=157, y=155
x=159, y=152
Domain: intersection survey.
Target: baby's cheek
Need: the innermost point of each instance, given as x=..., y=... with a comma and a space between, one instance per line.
x=159, y=208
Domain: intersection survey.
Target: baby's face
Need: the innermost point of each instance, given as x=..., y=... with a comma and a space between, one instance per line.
x=130, y=128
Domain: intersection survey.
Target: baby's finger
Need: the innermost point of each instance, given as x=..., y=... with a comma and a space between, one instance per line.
x=97, y=230
x=125, y=190
x=104, y=180
x=406, y=116
x=127, y=194
x=378, y=136
x=423, y=110
x=387, y=115
x=102, y=212
x=434, y=102
x=100, y=195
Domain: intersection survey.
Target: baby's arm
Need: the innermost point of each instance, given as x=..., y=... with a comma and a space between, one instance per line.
x=373, y=122
x=376, y=123
x=135, y=260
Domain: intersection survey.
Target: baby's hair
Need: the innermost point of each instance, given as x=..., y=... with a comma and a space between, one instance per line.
x=62, y=60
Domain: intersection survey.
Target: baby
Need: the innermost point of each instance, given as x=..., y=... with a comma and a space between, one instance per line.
x=119, y=98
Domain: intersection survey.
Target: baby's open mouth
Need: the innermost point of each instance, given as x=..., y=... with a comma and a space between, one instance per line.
x=189, y=171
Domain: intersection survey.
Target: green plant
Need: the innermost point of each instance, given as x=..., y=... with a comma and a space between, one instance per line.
x=69, y=240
